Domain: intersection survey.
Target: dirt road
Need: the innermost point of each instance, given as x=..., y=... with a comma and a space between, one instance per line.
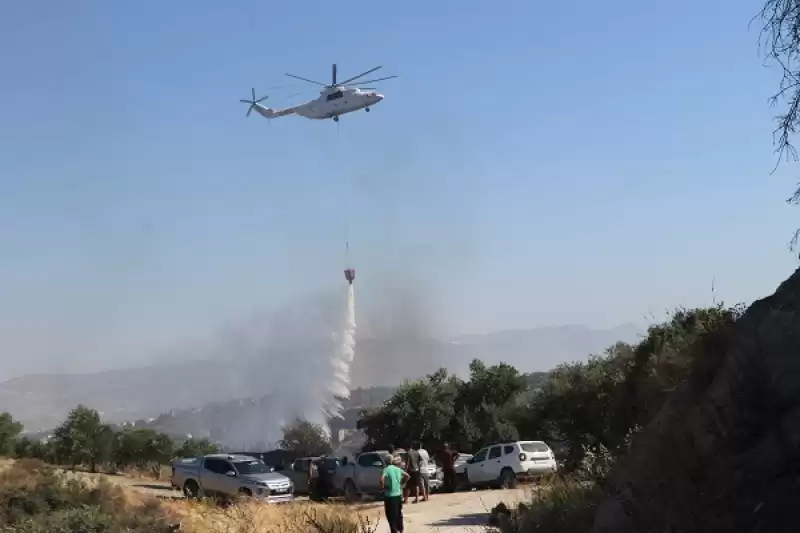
x=459, y=512
x=445, y=513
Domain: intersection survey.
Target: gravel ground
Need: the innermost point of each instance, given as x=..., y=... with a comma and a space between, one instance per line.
x=458, y=512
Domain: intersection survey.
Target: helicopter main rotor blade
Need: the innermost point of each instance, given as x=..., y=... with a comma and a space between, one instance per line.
x=373, y=81
x=370, y=71
x=306, y=79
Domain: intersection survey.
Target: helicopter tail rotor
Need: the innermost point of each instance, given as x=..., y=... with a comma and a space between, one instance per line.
x=253, y=102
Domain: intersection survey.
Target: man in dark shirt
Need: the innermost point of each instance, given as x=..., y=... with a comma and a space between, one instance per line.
x=448, y=458
x=413, y=466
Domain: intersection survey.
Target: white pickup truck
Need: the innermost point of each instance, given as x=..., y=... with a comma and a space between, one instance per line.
x=230, y=476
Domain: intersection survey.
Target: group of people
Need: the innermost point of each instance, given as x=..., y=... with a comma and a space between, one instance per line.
x=320, y=480
x=400, y=478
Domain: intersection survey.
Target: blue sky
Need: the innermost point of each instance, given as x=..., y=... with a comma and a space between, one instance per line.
x=533, y=164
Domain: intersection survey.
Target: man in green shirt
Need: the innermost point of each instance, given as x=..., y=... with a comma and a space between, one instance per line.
x=393, y=479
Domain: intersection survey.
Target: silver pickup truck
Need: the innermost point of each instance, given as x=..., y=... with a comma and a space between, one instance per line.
x=361, y=475
x=230, y=476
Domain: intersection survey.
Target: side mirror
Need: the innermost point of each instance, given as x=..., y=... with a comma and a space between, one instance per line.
x=470, y=460
x=230, y=473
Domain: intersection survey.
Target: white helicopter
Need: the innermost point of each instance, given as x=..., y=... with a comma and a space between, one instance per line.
x=334, y=100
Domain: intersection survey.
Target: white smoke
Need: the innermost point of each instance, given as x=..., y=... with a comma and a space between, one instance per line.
x=339, y=388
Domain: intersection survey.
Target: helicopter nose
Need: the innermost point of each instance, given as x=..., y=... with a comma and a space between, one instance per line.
x=378, y=97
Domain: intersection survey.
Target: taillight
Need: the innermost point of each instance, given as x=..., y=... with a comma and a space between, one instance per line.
x=523, y=457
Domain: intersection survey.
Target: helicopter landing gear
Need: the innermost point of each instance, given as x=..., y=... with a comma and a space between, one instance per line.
x=336, y=119
x=366, y=109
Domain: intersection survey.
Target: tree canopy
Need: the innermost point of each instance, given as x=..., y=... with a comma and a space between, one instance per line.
x=780, y=44
x=577, y=407
x=9, y=431
x=83, y=439
x=306, y=439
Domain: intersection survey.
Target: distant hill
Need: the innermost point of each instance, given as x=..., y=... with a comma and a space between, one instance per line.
x=277, y=376
x=249, y=424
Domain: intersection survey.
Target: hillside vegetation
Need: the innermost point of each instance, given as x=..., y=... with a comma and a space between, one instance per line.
x=35, y=498
x=589, y=407
x=587, y=410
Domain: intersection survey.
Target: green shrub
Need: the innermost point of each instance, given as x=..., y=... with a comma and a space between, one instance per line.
x=561, y=505
x=36, y=498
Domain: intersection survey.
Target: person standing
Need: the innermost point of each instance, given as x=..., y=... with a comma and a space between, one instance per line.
x=448, y=458
x=324, y=481
x=424, y=461
x=393, y=480
x=414, y=467
x=313, y=477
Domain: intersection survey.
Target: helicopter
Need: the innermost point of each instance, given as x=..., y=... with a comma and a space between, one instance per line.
x=337, y=98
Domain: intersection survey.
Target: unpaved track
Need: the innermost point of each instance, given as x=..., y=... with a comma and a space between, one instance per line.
x=445, y=513
x=458, y=512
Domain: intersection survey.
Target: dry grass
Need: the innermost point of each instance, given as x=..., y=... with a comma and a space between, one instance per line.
x=163, y=473
x=36, y=498
x=561, y=505
x=252, y=517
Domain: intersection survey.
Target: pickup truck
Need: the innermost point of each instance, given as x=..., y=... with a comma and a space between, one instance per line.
x=230, y=476
x=298, y=471
x=360, y=476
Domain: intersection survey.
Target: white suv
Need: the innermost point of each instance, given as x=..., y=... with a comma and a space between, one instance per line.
x=503, y=464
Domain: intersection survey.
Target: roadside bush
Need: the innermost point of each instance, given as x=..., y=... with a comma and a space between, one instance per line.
x=36, y=498
x=561, y=505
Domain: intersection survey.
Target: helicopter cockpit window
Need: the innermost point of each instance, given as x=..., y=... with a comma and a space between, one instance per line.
x=334, y=96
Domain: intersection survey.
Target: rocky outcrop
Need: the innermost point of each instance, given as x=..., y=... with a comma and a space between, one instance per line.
x=723, y=454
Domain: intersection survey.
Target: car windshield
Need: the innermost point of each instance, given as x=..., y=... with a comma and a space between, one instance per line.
x=251, y=467
x=534, y=447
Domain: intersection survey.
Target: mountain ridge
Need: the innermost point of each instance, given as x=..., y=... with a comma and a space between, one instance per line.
x=40, y=401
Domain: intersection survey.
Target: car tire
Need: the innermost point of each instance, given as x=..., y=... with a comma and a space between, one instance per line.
x=191, y=490
x=466, y=483
x=245, y=493
x=350, y=491
x=508, y=480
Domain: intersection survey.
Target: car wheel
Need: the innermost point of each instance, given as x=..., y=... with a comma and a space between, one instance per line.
x=465, y=484
x=350, y=491
x=245, y=493
x=508, y=480
x=191, y=490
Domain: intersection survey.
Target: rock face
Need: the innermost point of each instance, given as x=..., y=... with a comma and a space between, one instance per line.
x=723, y=454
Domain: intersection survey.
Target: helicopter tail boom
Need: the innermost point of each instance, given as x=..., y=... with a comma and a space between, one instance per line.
x=267, y=112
